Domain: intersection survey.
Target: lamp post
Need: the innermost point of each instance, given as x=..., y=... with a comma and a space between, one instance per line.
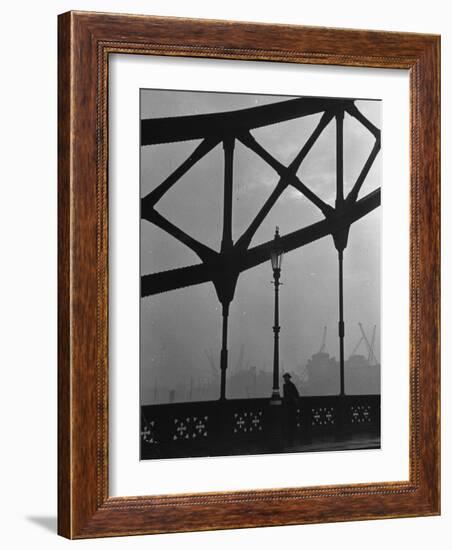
x=276, y=255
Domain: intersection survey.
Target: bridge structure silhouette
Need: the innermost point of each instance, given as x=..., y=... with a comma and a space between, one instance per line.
x=223, y=267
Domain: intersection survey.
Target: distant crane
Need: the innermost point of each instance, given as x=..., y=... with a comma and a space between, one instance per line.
x=355, y=349
x=322, y=346
x=371, y=355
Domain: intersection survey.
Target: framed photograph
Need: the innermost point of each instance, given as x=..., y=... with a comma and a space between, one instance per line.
x=248, y=275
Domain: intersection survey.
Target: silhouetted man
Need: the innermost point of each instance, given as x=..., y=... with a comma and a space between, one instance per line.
x=290, y=392
x=291, y=399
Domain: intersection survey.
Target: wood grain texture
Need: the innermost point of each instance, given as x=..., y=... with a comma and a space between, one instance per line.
x=64, y=295
x=85, y=42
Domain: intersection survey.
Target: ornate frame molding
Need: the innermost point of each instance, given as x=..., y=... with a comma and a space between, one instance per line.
x=85, y=42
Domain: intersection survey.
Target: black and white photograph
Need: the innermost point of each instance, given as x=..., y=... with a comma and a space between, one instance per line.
x=260, y=326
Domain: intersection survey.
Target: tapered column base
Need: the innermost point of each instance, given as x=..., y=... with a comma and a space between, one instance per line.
x=275, y=398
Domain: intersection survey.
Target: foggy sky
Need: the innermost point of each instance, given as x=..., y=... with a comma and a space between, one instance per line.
x=177, y=327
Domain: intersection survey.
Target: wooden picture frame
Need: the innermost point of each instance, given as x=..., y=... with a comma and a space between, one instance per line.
x=85, y=508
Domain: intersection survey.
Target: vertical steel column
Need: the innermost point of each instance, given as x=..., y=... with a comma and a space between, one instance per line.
x=224, y=352
x=339, y=158
x=226, y=244
x=228, y=146
x=340, y=242
x=341, y=320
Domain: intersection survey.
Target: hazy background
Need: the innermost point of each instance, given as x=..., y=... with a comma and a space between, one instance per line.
x=181, y=329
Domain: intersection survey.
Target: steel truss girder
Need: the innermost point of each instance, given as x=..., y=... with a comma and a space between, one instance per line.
x=169, y=130
x=226, y=128
x=173, y=279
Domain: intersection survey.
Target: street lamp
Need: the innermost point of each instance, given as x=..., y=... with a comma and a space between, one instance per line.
x=276, y=255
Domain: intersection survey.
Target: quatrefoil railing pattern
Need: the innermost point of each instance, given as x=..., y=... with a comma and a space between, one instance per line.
x=148, y=432
x=360, y=414
x=190, y=427
x=247, y=422
x=214, y=428
x=323, y=416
